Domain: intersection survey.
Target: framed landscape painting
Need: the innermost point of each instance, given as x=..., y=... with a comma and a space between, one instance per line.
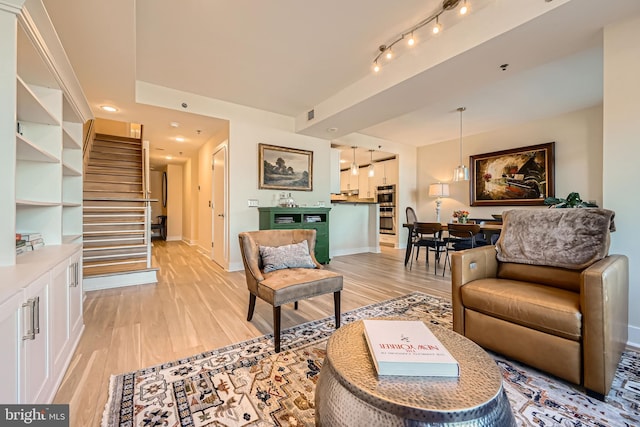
x=282, y=168
x=520, y=176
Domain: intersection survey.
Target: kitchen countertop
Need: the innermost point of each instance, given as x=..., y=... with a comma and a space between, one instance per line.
x=353, y=202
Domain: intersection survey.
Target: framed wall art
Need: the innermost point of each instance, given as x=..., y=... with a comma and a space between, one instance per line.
x=283, y=168
x=520, y=176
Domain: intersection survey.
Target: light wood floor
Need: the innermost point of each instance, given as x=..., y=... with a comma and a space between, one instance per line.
x=197, y=306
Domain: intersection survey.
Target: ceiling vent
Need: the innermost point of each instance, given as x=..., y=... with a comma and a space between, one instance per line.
x=310, y=115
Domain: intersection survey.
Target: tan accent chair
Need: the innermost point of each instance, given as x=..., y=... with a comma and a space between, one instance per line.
x=570, y=323
x=288, y=285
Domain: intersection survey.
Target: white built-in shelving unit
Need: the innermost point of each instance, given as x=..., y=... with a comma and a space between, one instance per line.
x=42, y=113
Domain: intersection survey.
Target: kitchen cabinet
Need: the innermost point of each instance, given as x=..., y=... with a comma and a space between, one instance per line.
x=365, y=184
x=388, y=172
x=348, y=181
x=275, y=218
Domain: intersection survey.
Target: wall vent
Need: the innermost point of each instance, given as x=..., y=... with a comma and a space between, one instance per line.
x=310, y=115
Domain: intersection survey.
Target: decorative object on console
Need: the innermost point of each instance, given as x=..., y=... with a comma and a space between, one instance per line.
x=461, y=216
x=461, y=173
x=283, y=168
x=573, y=200
x=438, y=190
x=520, y=176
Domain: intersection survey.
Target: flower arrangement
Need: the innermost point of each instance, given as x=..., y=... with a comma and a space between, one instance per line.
x=462, y=216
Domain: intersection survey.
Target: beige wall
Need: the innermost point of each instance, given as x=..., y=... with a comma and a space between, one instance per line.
x=117, y=128
x=622, y=150
x=578, y=160
x=174, y=202
x=155, y=186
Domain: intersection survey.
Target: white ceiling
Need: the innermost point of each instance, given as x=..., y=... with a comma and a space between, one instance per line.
x=290, y=56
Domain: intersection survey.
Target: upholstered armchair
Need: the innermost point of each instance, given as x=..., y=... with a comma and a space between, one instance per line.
x=548, y=294
x=280, y=268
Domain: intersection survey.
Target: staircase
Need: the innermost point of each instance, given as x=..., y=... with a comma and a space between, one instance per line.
x=116, y=238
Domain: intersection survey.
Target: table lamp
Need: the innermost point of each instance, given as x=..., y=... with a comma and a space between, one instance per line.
x=438, y=190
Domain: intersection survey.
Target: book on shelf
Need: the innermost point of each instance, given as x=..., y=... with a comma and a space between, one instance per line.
x=407, y=347
x=20, y=243
x=28, y=236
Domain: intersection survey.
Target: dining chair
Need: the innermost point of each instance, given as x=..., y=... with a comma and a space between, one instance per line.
x=459, y=237
x=429, y=236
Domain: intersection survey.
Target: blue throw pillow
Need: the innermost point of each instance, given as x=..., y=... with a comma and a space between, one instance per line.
x=287, y=256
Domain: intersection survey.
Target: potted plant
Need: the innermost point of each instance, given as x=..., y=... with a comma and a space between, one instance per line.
x=573, y=200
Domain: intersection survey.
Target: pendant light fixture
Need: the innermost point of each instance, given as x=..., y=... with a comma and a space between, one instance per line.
x=354, y=165
x=461, y=173
x=371, y=168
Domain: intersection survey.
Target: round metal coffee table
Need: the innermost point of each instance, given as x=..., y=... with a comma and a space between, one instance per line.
x=349, y=392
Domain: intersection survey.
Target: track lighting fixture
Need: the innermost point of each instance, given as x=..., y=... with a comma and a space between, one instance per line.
x=385, y=50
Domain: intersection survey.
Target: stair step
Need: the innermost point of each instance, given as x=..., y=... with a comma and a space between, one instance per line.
x=102, y=181
x=116, y=269
x=92, y=264
x=111, y=232
x=115, y=256
x=103, y=137
x=119, y=247
x=91, y=241
x=110, y=172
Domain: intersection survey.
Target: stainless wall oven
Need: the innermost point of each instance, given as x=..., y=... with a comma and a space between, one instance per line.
x=386, y=198
x=386, y=195
x=387, y=220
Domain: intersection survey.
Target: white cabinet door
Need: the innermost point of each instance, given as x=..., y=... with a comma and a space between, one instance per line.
x=75, y=297
x=364, y=184
x=59, y=309
x=10, y=337
x=35, y=367
x=391, y=172
x=344, y=181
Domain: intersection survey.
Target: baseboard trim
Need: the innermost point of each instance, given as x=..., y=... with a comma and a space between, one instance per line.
x=353, y=251
x=633, y=339
x=111, y=281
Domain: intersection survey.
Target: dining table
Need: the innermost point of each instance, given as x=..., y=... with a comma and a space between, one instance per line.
x=486, y=228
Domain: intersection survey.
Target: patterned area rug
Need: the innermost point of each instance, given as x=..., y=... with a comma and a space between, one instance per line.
x=247, y=384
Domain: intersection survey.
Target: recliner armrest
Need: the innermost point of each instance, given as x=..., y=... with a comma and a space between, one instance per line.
x=467, y=266
x=604, y=301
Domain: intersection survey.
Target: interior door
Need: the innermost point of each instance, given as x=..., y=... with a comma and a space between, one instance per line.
x=219, y=207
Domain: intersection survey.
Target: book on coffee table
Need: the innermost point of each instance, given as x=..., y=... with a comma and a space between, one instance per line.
x=407, y=347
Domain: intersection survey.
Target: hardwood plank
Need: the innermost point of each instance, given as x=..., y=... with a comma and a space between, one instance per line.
x=196, y=306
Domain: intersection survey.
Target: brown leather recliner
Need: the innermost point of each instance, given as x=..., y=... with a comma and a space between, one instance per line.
x=571, y=323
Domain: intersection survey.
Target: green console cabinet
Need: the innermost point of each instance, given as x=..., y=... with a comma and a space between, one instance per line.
x=316, y=218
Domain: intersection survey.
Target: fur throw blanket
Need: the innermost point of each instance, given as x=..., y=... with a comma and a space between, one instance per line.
x=567, y=238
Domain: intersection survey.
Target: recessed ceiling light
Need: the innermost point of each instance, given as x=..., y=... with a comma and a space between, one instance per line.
x=174, y=124
x=108, y=108
x=168, y=157
x=179, y=139
x=332, y=130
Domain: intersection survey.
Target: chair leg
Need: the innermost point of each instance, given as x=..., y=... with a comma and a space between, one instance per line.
x=336, y=306
x=252, y=305
x=276, y=328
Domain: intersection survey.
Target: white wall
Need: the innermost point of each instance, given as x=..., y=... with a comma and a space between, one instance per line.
x=622, y=150
x=578, y=161
x=155, y=186
x=174, y=202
